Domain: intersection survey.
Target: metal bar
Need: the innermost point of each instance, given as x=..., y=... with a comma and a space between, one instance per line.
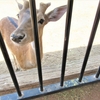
x=98, y=73
x=9, y=65
x=51, y=89
x=37, y=49
x=93, y=32
x=66, y=39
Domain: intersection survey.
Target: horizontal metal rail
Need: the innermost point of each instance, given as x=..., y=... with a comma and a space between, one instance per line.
x=51, y=89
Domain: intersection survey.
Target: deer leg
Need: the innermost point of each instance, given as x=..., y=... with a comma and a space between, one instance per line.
x=16, y=64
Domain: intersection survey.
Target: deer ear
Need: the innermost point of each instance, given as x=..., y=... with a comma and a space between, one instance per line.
x=57, y=13
x=24, y=6
x=20, y=6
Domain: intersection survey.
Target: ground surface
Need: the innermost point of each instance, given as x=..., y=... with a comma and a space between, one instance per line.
x=89, y=92
x=83, y=16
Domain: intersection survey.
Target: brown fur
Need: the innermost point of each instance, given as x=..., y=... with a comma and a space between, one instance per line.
x=23, y=56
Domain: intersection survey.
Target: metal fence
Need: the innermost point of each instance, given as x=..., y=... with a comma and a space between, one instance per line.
x=62, y=85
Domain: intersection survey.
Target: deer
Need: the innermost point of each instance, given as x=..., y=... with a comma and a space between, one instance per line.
x=18, y=34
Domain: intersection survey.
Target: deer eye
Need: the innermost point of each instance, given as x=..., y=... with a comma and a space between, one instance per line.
x=41, y=21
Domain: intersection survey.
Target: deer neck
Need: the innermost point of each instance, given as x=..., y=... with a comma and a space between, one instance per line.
x=40, y=43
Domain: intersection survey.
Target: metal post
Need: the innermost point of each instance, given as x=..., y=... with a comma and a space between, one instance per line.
x=93, y=32
x=66, y=39
x=98, y=73
x=9, y=65
x=35, y=31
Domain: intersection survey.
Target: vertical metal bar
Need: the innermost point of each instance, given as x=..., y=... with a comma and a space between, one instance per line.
x=93, y=32
x=9, y=65
x=66, y=38
x=98, y=73
x=35, y=31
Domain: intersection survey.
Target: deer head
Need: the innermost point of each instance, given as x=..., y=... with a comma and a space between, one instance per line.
x=23, y=33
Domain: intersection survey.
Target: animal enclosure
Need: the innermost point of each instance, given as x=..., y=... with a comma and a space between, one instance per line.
x=52, y=60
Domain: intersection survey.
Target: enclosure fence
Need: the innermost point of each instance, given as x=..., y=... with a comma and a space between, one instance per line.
x=62, y=85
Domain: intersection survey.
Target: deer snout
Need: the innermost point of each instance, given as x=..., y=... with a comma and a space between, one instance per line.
x=17, y=38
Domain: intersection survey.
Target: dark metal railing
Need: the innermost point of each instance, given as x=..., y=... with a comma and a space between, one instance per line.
x=63, y=84
x=37, y=49
x=9, y=65
x=66, y=39
x=98, y=73
x=93, y=32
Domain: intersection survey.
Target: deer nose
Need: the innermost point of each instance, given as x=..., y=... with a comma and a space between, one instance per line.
x=17, y=38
